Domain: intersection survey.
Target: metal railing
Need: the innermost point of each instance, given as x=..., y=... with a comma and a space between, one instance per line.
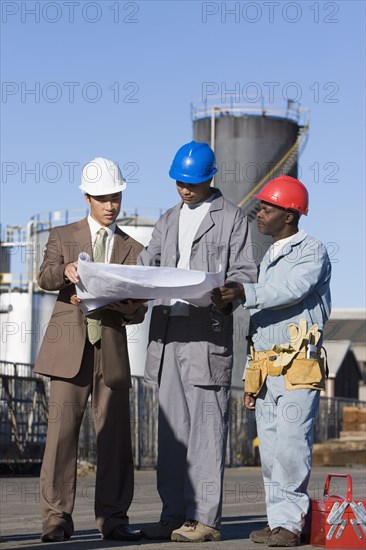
x=23, y=421
x=229, y=104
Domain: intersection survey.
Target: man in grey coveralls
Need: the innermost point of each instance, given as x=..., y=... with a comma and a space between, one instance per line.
x=190, y=351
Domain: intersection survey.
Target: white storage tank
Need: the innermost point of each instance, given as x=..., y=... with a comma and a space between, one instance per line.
x=17, y=330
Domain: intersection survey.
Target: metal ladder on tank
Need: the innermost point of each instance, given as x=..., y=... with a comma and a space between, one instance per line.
x=283, y=166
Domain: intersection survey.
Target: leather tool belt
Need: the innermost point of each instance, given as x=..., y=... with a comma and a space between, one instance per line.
x=289, y=360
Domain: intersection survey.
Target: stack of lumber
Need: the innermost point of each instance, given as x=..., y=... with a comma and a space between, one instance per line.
x=350, y=448
x=353, y=423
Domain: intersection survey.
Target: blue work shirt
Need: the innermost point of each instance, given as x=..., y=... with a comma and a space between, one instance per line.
x=293, y=286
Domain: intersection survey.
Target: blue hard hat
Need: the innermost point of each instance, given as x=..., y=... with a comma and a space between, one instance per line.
x=194, y=162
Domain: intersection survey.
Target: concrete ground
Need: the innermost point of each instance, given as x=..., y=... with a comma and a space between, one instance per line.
x=243, y=510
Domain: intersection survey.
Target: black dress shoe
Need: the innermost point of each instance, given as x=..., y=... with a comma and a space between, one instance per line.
x=123, y=532
x=55, y=534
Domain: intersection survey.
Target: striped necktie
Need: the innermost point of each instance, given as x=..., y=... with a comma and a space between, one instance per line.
x=94, y=326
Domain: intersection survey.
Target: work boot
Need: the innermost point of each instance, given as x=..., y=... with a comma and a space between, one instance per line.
x=160, y=531
x=261, y=536
x=283, y=537
x=194, y=531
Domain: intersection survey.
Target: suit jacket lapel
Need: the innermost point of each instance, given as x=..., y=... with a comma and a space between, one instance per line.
x=171, y=241
x=209, y=220
x=83, y=242
x=81, y=238
x=120, y=248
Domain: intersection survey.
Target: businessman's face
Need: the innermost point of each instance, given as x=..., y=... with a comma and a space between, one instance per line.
x=194, y=193
x=105, y=208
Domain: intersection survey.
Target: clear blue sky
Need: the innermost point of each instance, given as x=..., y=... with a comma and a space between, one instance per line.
x=116, y=78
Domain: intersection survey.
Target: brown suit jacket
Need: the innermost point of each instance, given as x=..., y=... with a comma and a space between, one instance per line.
x=63, y=344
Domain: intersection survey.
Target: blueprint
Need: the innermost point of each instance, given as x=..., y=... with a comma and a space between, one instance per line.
x=102, y=283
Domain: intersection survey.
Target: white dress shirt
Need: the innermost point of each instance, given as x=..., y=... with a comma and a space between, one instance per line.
x=94, y=228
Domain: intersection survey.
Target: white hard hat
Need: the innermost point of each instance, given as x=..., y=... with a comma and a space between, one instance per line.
x=102, y=177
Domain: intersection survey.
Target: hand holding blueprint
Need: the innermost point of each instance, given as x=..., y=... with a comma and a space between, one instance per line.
x=102, y=283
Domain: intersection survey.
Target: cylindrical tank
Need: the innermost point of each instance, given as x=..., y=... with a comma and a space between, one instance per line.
x=5, y=257
x=17, y=330
x=252, y=145
x=247, y=147
x=43, y=304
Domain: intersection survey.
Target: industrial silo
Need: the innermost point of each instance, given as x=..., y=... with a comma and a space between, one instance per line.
x=5, y=257
x=253, y=144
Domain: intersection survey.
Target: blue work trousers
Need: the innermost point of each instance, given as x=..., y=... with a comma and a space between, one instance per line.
x=285, y=420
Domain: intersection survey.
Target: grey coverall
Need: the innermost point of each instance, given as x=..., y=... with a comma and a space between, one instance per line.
x=191, y=358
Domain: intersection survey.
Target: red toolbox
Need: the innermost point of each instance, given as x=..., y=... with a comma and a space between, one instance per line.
x=338, y=522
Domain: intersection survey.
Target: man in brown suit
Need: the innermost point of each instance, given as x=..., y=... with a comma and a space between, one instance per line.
x=86, y=356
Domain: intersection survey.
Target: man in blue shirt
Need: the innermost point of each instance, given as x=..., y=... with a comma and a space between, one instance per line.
x=289, y=306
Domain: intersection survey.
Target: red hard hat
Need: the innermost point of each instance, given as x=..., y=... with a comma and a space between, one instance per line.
x=286, y=192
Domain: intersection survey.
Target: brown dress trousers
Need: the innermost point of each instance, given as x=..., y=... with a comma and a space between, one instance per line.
x=77, y=370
